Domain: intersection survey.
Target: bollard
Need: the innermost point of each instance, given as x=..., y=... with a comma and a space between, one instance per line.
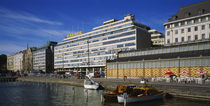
x=86, y=91
x=73, y=89
x=101, y=94
x=125, y=97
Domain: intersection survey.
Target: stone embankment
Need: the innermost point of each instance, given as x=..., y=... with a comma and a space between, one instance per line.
x=192, y=91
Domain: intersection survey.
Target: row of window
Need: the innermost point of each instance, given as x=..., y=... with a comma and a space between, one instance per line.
x=183, y=48
x=203, y=27
x=203, y=36
x=182, y=23
x=161, y=64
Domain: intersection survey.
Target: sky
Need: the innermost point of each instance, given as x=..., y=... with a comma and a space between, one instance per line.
x=34, y=22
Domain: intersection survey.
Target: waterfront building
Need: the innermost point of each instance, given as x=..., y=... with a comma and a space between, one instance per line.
x=190, y=23
x=3, y=62
x=157, y=37
x=10, y=62
x=28, y=60
x=43, y=58
x=191, y=58
x=88, y=52
x=18, y=61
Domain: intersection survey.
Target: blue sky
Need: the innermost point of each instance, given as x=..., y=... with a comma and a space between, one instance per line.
x=37, y=21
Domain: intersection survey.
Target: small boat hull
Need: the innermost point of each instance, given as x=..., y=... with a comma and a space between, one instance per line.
x=90, y=85
x=139, y=99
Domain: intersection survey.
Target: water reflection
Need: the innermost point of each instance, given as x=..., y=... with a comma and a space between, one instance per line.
x=47, y=94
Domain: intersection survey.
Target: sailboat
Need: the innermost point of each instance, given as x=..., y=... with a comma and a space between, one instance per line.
x=90, y=84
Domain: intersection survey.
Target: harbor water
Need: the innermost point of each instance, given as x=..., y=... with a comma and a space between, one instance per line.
x=48, y=94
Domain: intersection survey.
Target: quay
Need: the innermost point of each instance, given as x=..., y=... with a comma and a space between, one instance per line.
x=8, y=79
x=182, y=90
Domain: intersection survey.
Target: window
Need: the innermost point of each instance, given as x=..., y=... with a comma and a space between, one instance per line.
x=182, y=39
x=176, y=24
x=168, y=33
x=168, y=26
x=203, y=19
x=203, y=27
x=176, y=39
x=168, y=41
x=196, y=20
x=201, y=11
x=189, y=38
x=189, y=22
x=189, y=29
x=176, y=31
x=187, y=15
x=182, y=23
x=203, y=36
x=196, y=28
x=196, y=37
x=182, y=30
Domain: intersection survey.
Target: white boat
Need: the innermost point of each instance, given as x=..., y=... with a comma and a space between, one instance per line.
x=150, y=94
x=90, y=84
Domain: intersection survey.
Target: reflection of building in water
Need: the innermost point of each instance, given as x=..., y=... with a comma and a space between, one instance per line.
x=90, y=50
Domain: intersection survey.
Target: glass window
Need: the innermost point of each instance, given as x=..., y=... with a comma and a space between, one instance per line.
x=196, y=20
x=176, y=31
x=168, y=33
x=189, y=38
x=203, y=27
x=189, y=29
x=182, y=30
x=183, y=23
x=176, y=63
x=196, y=28
x=195, y=47
x=168, y=40
x=181, y=63
x=203, y=36
x=176, y=24
x=162, y=64
x=193, y=62
x=168, y=26
x=198, y=61
x=208, y=61
x=172, y=63
x=204, y=62
x=187, y=63
x=182, y=39
x=176, y=39
x=189, y=22
x=203, y=19
x=196, y=37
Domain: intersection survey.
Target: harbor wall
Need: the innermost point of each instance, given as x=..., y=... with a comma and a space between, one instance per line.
x=192, y=91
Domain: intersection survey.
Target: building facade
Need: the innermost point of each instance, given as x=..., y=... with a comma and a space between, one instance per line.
x=10, y=62
x=18, y=61
x=28, y=60
x=88, y=51
x=191, y=58
x=43, y=58
x=157, y=37
x=190, y=23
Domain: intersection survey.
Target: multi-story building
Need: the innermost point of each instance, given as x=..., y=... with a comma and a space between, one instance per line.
x=18, y=61
x=28, y=60
x=190, y=23
x=10, y=62
x=43, y=58
x=157, y=37
x=88, y=51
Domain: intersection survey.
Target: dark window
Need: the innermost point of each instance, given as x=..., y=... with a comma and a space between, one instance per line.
x=176, y=24
x=129, y=44
x=182, y=23
x=187, y=15
x=176, y=39
x=189, y=22
x=201, y=11
x=196, y=37
x=203, y=36
x=118, y=46
x=189, y=29
x=168, y=33
x=176, y=31
x=203, y=19
x=182, y=39
x=196, y=20
x=196, y=28
x=203, y=27
x=168, y=26
x=168, y=41
x=182, y=30
x=189, y=38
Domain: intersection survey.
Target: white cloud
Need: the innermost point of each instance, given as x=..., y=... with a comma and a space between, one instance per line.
x=24, y=16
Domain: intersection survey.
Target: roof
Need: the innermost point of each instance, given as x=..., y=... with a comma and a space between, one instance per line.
x=192, y=10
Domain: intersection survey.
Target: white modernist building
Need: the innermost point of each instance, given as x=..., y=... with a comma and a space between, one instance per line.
x=157, y=37
x=190, y=23
x=89, y=51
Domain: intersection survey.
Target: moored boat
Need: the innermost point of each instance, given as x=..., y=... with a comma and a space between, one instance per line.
x=112, y=95
x=141, y=94
x=90, y=84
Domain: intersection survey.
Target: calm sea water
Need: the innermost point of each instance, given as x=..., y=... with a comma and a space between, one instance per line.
x=42, y=94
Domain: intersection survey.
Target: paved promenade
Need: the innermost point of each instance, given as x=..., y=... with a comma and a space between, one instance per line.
x=190, y=90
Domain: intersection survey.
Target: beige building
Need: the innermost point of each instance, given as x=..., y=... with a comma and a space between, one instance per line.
x=157, y=37
x=18, y=61
x=10, y=62
x=190, y=23
x=28, y=60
